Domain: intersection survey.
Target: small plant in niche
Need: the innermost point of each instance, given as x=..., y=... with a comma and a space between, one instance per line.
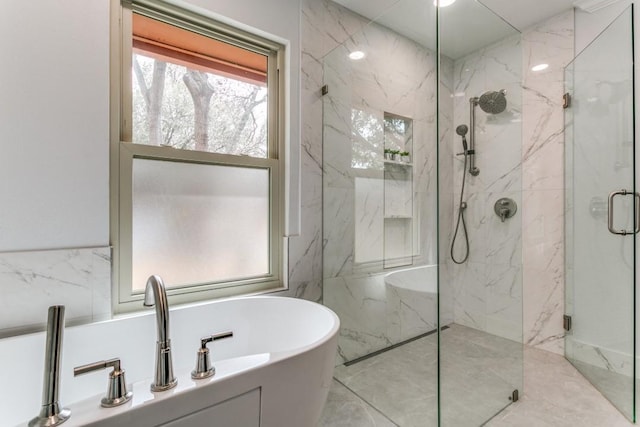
x=390, y=154
x=405, y=156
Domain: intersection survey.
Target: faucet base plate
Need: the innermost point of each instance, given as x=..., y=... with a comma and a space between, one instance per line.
x=171, y=384
x=51, y=421
x=112, y=403
x=204, y=374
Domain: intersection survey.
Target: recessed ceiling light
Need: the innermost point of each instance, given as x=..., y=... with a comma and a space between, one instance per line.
x=443, y=3
x=357, y=55
x=539, y=67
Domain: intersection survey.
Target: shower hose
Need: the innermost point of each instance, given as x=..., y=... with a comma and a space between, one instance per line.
x=461, y=207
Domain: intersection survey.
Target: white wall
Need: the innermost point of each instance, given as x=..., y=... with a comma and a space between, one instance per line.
x=54, y=115
x=54, y=156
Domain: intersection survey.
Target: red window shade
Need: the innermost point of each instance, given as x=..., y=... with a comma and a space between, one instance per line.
x=173, y=44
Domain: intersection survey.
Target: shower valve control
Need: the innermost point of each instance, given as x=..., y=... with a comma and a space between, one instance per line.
x=505, y=208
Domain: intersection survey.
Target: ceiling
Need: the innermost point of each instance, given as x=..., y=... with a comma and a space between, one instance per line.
x=524, y=13
x=465, y=26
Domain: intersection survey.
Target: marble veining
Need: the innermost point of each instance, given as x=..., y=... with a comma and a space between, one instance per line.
x=375, y=215
x=528, y=247
x=375, y=314
x=485, y=292
x=550, y=42
x=80, y=279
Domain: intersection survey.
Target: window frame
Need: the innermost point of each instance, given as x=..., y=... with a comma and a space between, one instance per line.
x=123, y=152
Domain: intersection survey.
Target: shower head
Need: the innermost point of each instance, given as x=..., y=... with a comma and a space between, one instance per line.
x=493, y=102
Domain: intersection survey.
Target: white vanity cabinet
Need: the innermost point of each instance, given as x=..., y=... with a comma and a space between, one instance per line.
x=239, y=411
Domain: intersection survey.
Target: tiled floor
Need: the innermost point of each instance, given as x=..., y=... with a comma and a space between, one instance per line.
x=556, y=394
x=398, y=387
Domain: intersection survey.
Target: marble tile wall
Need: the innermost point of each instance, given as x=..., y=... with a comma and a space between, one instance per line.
x=515, y=271
x=79, y=279
x=360, y=93
x=530, y=173
x=393, y=78
x=487, y=288
x=550, y=42
x=305, y=250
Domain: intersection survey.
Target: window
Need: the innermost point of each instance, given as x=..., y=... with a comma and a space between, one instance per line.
x=197, y=168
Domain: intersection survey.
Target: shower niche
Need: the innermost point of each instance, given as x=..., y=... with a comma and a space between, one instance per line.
x=398, y=191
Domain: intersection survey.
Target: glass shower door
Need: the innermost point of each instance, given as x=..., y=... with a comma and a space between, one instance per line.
x=480, y=300
x=601, y=209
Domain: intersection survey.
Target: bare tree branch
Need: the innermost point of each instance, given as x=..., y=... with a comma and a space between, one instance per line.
x=201, y=91
x=152, y=97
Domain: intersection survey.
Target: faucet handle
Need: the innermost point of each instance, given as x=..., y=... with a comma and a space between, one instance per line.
x=117, y=393
x=204, y=369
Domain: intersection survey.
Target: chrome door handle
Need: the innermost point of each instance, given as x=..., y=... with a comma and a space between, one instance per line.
x=610, y=213
x=636, y=225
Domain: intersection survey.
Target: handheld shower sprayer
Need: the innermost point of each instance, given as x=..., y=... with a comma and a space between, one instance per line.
x=462, y=131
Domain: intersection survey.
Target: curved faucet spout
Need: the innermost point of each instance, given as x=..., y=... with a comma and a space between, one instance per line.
x=155, y=294
x=164, y=378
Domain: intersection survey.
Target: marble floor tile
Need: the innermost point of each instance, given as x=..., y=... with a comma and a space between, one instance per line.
x=479, y=370
x=401, y=383
x=345, y=409
x=616, y=387
x=479, y=373
x=557, y=395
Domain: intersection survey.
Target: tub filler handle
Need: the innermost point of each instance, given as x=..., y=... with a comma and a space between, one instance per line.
x=117, y=393
x=204, y=368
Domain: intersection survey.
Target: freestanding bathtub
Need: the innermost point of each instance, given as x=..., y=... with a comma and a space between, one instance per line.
x=412, y=300
x=275, y=371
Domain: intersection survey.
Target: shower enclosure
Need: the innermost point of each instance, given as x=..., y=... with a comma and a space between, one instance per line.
x=601, y=214
x=423, y=340
x=379, y=211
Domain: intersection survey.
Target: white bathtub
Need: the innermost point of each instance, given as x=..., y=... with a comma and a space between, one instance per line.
x=412, y=300
x=275, y=371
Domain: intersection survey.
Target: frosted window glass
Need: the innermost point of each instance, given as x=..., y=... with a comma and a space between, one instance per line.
x=196, y=223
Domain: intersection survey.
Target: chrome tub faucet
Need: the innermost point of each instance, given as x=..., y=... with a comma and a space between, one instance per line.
x=155, y=294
